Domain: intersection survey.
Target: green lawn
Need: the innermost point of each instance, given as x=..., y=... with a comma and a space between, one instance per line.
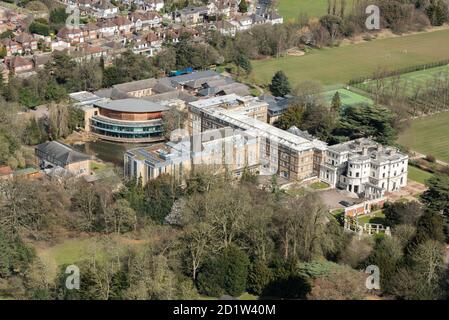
x=428, y=135
x=418, y=175
x=333, y=66
x=348, y=98
x=319, y=185
x=291, y=9
x=71, y=251
x=377, y=217
x=413, y=80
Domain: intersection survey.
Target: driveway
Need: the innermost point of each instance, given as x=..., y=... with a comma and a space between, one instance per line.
x=332, y=198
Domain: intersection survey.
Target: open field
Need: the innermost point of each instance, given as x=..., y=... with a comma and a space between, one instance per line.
x=333, y=66
x=291, y=9
x=413, y=80
x=348, y=98
x=418, y=175
x=428, y=135
x=75, y=250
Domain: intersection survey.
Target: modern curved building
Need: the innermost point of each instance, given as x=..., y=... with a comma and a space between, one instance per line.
x=126, y=120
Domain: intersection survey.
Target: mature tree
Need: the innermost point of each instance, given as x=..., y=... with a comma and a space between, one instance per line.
x=173, y=119
x=15, y=255
x=280, y=86
x=120, y=217
x=160, y=194
x=166, y=60
x=336, y=103
x=58, y=120
x=287, y=282
x=387, y=255
x=367, y=121
x=436, y=197
x=291, y=117
x=259, y=276
x=225, y=274
x=397, y=213
x=430, y=227
x=318, y=121
x=437, y=12
x=227, y=212
x=424, y=277
x=301, y=227
x=86, y=202
x=342, y=283
x=242, y=62
x=197, y=244
x=308, y=93
x=150, y=278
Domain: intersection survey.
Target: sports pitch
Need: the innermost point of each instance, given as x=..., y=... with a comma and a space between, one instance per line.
x=428, y=135
x=291, y=9
x=333, y=66
x=412, y=81
x=348, y=98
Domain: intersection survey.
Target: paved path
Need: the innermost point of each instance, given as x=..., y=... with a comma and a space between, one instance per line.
x=417, y=155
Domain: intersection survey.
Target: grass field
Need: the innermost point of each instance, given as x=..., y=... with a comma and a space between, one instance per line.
x=348, y=98
x=428, y=135
x=319, y=185
x=291, y=9
x=75, y=250
x=333, y=66
x=413, y=80
x=377, y=217
x=418, y=175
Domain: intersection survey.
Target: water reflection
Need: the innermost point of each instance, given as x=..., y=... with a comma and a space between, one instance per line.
x=107, y=151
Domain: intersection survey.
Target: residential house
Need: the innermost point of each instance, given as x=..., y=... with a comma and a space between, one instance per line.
x=191, y=15
x=90, y=31
x=27, y=42
x=104, y=9
x=149, y=43
x=40, y=60
x=145, y=20
x=11, y=46
x=224, y=27
x=153, y=5
x=274, y=18
x=19, y=65
x=71, y=35
x=243, y=22
x=107, y=28
x=123, y=24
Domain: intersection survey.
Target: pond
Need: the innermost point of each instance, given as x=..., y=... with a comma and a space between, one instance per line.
x=107, y=151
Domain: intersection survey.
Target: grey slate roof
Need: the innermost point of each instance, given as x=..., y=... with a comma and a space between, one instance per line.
x=276, y=105
x=131, y=105
x=55, y=151
x=192, y=79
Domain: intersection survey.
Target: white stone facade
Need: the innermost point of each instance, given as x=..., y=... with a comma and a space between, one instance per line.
x=365, y=167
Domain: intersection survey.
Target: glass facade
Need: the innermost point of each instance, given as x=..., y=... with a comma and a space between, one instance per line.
x=127, y=130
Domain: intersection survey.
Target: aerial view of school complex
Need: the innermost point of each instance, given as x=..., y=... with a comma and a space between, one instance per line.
x=200, y=151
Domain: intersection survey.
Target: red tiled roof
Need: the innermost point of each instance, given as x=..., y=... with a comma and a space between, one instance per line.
x=5, y=170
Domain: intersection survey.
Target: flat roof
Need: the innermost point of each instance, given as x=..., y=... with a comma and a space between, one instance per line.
x=131, y=105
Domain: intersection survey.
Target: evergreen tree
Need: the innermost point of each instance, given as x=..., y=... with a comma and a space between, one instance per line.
x=243, y=6
x=336, y=103
x=225, y=274
x=242, y=62
x=280, y=86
